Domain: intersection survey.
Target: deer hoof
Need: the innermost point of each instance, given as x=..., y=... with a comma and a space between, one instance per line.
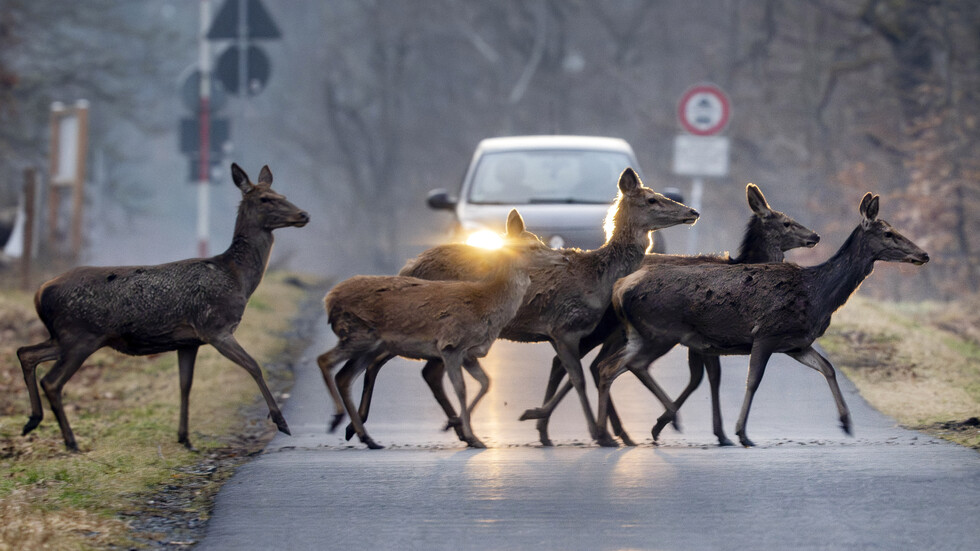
x=724, y=441
x=32, y=424
x=845, y=424
x=475, y=442
x=371, y=444
x=349, y=432
x=744, y=440
x=627, y=441
x=452, y=423
x=335, y=422
x=535, y=413
x=606, y=441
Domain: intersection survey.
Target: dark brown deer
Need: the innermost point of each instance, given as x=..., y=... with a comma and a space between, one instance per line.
x=566, y=302
x=754, y=309
x=141, y=310
x=377, y=317
x=768, y=234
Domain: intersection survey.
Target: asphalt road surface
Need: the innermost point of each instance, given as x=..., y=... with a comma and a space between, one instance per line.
x=805, y=486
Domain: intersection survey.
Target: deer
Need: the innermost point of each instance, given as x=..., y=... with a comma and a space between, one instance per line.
x=378, y=317
x=566, y=302
x=143, y=310
x=768, y=235
x=750, y=309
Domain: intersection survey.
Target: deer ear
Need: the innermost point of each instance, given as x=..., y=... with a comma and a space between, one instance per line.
x=757, y=201
x=265, y=176
x=515, y=223
x=869, y=206
x=629, y=182
x=240, y=178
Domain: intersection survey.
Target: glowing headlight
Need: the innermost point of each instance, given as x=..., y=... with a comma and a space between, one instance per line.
x=485, y=239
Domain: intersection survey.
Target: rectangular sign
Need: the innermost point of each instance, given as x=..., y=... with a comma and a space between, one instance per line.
x=701, y=155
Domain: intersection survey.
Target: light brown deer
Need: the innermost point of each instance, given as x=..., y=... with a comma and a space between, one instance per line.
x=566, y=302
x=768, y=234
x=377, y=317
x=141, y=310
x=754, y=309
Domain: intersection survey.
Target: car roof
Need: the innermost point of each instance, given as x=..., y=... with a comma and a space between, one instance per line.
x=554, y=142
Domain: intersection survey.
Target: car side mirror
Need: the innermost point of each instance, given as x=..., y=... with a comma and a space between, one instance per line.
x=439, y=199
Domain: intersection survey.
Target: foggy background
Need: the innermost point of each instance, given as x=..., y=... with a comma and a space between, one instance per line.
x=370, y=104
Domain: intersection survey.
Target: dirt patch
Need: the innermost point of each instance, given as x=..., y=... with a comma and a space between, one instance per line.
x=966, y=433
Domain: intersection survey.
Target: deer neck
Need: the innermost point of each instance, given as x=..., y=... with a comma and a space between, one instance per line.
x=757, y=246
x=834, y=281
x=622, y=254
x=508, y=285
x=248, y=255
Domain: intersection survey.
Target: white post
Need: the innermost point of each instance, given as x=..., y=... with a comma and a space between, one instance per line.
x=204, y=113
x=697, y=191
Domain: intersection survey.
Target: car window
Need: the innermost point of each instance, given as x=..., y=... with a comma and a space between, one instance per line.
x=547, y=176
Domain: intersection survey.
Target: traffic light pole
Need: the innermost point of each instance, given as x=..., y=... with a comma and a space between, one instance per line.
x=204, y=114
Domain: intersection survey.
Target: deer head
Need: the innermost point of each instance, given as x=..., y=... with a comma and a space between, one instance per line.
x=268, y=208
x=884, y=240
x=791, y=234
x=532, y=251
x=639, y=209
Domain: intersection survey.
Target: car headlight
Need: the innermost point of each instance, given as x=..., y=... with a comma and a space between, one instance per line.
x=485, y=239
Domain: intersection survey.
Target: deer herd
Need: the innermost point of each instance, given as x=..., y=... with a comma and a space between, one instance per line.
x=448, y=305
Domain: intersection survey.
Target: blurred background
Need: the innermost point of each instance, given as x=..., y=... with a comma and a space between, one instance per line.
x=360, y=107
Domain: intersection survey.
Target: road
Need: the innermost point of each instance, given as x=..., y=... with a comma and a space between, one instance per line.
x=805, y=486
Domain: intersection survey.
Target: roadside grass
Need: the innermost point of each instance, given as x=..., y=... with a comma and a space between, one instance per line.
x=124, y=412
x=917, y=362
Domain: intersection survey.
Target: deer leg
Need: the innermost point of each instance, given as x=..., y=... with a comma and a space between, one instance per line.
x=432, y=373
x=552, y=395
x=761, y=351
x=453, y=364
x=567, y=348
x=609, y=369
x=813, y=359
x=712, y=365
x=54, y=381
x=473, y=367
x=615, y=341
x=185, y=367
x=695, y=363
x=344, y=379
x=30, y=357
x=326, y=362
x=370, y=375
x=229, y=348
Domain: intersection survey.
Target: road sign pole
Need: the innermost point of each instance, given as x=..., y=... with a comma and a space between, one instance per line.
x=204, y=113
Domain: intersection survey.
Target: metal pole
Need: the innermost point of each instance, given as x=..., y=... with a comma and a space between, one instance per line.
x=204, y=113
x=697, y=191
x=78, y=192
x=30, y=186
x=243, y=83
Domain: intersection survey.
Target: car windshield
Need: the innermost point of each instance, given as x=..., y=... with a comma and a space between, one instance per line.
x=547, y=176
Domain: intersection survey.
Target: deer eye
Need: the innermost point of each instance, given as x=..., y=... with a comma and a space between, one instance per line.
x=652, y=201
x=889, y=234
x=266, y=200
x=786, y=224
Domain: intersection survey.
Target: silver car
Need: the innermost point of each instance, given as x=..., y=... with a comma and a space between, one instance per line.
x=562, y=186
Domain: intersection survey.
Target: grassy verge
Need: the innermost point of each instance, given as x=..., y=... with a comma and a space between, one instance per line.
x=917, y=362
x=124, y=414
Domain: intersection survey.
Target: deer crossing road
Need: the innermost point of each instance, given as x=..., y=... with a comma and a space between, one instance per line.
x=806, y=484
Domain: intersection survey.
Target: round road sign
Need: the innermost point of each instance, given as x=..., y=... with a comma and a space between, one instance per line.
x=704, y=110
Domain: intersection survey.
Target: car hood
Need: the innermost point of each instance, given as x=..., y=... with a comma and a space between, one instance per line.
x=578, y=225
